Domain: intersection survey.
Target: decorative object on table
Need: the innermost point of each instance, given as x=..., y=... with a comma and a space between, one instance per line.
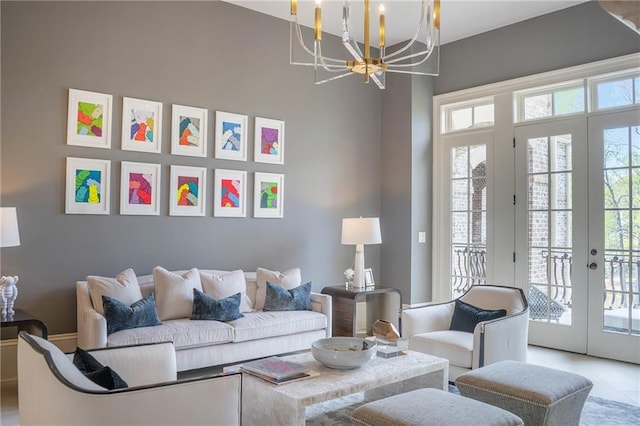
x=368, y=278
x=230, y=193
x=348, y=274
x=385, y=330
x=268, y=141
x=9, y=293
x=188, y=131
x=187, y=191
x=89, y=119
x=268, y=195
x=343, y=353
x=276, y=370
x=88, y=186
x=231, y=136
x=140, y=189
x=9, y=237
x=420, y=55
x=358, y=232
x=141, y=125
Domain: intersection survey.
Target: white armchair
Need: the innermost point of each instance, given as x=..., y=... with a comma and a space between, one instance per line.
x=427, y=328
x=51, y=390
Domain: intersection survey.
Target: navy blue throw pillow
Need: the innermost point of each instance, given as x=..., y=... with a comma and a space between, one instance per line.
x=206, y=307
x=121, y=317
x=280, y=299
x=96, y=372
x=466, y=316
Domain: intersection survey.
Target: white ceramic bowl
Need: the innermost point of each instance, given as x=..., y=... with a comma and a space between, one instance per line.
x=343, y=352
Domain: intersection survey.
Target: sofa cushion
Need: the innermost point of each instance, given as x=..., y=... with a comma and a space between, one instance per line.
x=288, y=279
x=260, y=325
x=456, y=346
x=174, y=292
x=206, y=307
x=226, y=284
x=184, y=333
x=124, y=287
x=466, y=317
x=281, y=299
x=120, y=316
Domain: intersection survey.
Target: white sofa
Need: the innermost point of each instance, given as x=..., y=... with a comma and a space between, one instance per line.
x=201, y=344
x=52, y=391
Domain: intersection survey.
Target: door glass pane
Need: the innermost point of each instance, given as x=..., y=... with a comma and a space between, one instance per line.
x=635, y=145
x=460, y=162
x=616, y=147
x=460, y=195
x=561, y=191
x=538, y=229
x=560, y=153
x=538, y=192
x=616, y=188
x=538, y=155
x=561, y=229
x=459, y=225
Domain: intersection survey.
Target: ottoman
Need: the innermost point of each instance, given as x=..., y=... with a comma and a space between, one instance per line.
x=539, y=395
x=431, y=407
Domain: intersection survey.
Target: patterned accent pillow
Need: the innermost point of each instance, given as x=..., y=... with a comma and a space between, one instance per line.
x=466, y=316
x=121, y=317
x=281, y=299
x=207, y=308
x=99, y=374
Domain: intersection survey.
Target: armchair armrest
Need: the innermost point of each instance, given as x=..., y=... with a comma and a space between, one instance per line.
x=92, y=327
x=501, y=339
x=322, y=303
x=425, y=319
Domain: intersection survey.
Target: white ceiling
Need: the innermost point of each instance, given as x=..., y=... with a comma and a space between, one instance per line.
x=459, y=18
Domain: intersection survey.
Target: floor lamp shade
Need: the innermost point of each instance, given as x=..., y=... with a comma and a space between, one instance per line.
x=9, y=234
x=360, y=231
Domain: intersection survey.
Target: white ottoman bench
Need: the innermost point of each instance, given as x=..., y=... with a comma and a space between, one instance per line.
x=539, y=395
x=424, y=407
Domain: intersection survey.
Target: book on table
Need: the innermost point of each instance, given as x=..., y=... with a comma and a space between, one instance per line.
x=276, y=370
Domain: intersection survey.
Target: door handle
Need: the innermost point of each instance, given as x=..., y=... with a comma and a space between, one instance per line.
x=593, y=265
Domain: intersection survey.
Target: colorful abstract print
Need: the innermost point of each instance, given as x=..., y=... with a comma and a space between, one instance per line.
x=230, y=191
x=90, y=119
x=88, y=186
x=187, y=193
x=189, y=131
x=269, y=195
x=140, y=188
x=142, y=125
x=231, y=136
x=269, y=140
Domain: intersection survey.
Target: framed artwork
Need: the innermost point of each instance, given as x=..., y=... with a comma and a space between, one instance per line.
x=231, y=136
x=187, y=191
x=140, y=189
x=188, y=131
x=368, y=277
x=141, y=125
x=269, y=141
x=268, y=195
x=89, y=119
x=230, y=193
x=87, y=186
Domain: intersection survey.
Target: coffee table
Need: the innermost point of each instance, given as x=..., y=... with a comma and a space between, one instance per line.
x=266, y=404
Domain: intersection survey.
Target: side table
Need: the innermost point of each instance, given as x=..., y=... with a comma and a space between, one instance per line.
x=24, y=321
x=355, y=310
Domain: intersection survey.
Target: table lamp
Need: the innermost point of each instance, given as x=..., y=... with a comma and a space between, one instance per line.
x=9, y=237
x=360, y=231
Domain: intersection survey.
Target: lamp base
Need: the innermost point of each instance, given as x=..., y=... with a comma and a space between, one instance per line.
x=358, y=266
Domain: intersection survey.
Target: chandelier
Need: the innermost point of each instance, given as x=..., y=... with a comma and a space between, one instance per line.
x=407, y=57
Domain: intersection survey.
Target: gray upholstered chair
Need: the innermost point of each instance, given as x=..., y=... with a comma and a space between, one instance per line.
x=428, y=329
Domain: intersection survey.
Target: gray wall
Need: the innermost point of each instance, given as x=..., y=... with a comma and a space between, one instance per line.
x=206, y=54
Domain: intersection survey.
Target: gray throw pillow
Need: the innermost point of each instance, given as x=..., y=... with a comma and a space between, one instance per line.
x=206, y=307
x=121, y=317
x=281, y=299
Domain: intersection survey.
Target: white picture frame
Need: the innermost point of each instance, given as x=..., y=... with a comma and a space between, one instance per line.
x=268, y=141
x=141, y=125
x=268, y=195
x=368, y=277
x=89, y=119
x=230, y=193
x=140, y=188
x=88, y=186
x=231, y=136
x=189, y=131
x=187, y=191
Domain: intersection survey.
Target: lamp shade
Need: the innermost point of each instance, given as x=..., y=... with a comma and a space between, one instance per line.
x=9, y=235
x=361, y=230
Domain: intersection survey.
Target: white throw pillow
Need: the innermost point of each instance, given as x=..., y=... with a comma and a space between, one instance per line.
x=124, y=288
x=225, y=285
x=291, y=278
x=174, y=292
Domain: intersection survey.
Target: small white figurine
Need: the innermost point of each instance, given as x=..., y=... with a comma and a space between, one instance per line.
x=8, y=293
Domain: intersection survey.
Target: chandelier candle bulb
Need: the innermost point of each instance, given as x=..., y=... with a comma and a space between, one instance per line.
x=318, y=26
x=436, y=14
x=294, y=7
x=382, y=25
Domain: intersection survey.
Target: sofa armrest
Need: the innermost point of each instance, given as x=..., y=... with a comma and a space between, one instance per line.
x=322, y=303
x=425, y=319
x=501, y=339
x=92, y=327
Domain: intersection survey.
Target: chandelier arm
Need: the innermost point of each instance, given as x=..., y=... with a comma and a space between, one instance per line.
x=415, y=36
x=336, y=77
x=428, y=51
x=326, y=67
x=304, y=46
x=376, y=80
x=349, y=43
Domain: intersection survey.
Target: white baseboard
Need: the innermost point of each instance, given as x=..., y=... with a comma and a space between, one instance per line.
x=9, y=355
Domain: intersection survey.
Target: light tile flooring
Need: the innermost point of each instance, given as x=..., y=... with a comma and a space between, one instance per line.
x=615, y=380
